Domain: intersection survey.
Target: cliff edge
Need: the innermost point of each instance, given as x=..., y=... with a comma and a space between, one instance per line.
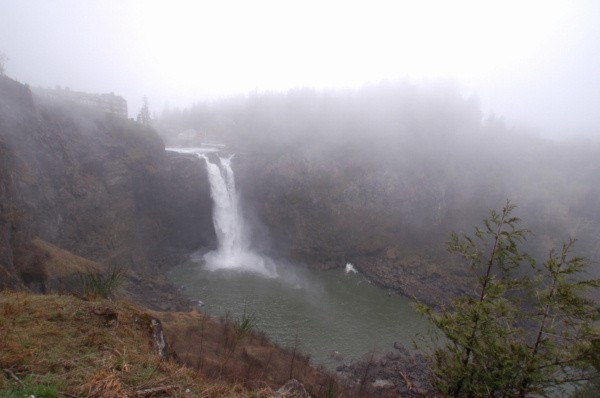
x=95, y=184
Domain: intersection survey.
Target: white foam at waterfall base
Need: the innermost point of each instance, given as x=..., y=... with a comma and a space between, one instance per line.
x=242, y=261
x=233, y=251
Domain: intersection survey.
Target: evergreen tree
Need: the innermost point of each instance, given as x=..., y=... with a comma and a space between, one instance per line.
x=515, y=335
x=564, y=346
x=143, y=116
x=3, y=60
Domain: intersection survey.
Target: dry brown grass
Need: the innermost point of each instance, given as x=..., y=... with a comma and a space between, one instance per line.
x=44, y=267
x=254, y=362
x=100, y=348
x=103, y=384
x=61, y=263
x=90, y=348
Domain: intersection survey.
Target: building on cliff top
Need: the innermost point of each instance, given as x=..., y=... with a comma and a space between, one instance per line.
x=109, y=103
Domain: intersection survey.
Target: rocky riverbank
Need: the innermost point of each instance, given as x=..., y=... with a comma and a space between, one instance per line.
x=397, y=373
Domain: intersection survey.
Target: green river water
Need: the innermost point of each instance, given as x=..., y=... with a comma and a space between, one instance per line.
x=328, y=310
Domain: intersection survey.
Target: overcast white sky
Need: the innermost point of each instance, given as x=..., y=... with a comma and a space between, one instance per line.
x=534, y=62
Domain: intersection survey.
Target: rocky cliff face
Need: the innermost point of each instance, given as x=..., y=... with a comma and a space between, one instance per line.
x=388, y=222
x=13, y=233
x=98, y=185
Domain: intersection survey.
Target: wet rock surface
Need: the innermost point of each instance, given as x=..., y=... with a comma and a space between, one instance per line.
x=396, y=373
x=327, y=211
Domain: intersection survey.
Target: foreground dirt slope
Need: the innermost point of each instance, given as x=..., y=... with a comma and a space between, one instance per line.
x=63, y=345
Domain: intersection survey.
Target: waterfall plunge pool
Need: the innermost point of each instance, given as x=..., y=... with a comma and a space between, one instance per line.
x=329, y=310
x=323, y=311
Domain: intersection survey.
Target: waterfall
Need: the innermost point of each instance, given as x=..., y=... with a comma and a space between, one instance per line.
x=233, y=251
x=226, y=219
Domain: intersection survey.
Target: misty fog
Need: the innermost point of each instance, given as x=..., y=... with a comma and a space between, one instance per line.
x=361, y=132
x=298, y=168
x=432, y=141
x=533, y=63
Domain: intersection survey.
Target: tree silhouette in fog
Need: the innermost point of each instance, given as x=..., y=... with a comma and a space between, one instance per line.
x=143, y=116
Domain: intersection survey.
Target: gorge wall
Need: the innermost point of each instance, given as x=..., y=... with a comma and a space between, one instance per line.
x=381, y=175
x=377, y=178
x=391, y=225
x=95, y=184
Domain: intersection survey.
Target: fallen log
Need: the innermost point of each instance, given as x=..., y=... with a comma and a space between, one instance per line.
x=155, y=390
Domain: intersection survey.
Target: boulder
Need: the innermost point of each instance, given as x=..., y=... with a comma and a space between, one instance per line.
x=292, y=389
